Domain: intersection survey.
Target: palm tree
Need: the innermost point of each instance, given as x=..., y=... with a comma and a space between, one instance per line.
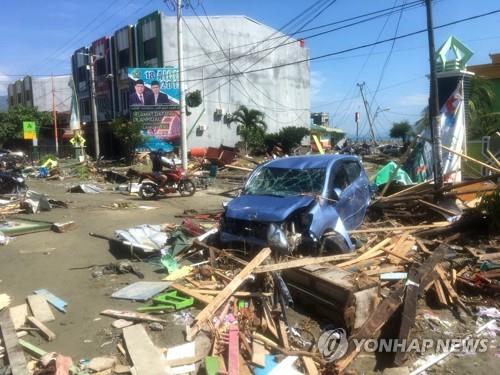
x=251, y=122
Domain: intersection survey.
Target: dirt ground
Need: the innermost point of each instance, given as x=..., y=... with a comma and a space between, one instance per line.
x=45, y=259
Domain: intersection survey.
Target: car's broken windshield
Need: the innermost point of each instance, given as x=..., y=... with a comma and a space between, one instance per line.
x=282, y=181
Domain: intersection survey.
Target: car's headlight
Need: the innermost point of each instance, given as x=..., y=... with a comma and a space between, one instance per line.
x=20, y=179
x=276, y=237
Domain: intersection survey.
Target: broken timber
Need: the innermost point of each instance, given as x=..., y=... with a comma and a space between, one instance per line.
x=302, y=262
x=15, y=353
x=387, y=308
x=235, y=283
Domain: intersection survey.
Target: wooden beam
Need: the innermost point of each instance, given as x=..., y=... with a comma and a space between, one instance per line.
x=440, y=293
x=310, y=366
x=233, y=366
x=401, y=256
x=235, y=283
x=15, y=354
x=297, y=263
x=409, y=312
x=493, y=157
x=370, y=253
x=192, y=293
x=392, y=229
x=283, y=334
x=472, y=159
x=422, y=246
x=405, y=191
x=438, y=208
x=258, y=353
x=44, y=330
x=243, y=294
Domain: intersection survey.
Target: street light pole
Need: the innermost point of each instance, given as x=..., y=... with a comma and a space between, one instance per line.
x=434, y=120
x=94, y=108
x=180, y=57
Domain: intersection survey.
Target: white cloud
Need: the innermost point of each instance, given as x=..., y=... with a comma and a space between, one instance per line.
x=414, y=100
x=4, y=83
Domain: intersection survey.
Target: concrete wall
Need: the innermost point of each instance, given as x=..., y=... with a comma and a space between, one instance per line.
x=282, y=94
x=42, y=93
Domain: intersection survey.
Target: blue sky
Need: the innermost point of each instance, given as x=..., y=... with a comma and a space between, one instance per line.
x=38, y=37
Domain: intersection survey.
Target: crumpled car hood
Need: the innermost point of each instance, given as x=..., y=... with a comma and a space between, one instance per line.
x=265, y=208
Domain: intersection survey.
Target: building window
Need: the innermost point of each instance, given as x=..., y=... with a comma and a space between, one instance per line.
x=82, y=73
x=102, y=103
x=19, y=98
x=27, y=95
x=100, y=67
x=124, y=99
x=85, y=107
x=123, y=58
x=12, y=101
x=150, y=49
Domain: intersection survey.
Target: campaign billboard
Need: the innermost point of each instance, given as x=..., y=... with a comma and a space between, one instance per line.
x=154, y=103
x=153, y=86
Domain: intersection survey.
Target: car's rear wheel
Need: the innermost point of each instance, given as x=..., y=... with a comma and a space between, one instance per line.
x=333, y=243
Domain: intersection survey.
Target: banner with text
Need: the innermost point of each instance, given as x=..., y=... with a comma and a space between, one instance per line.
x=154, y=103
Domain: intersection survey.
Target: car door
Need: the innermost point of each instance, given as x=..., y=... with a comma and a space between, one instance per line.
x=357, y=194
x=339, y=184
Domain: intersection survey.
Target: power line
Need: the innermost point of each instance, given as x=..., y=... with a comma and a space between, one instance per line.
x=361, y=46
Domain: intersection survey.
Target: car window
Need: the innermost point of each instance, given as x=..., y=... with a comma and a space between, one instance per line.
x=353, y=171
x=340, y=178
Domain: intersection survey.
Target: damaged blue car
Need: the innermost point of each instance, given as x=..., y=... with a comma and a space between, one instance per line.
x=305, y=203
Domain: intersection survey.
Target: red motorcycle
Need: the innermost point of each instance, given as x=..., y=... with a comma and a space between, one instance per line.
x=177, y=180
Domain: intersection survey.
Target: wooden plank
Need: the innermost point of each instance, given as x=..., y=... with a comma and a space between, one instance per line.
x=471, y=159
x=422, y=246
x=52, y=299
x=44, y=330
x=302, y=262
x=15, y=354
x=211, y=292
x=401, y=256
x=310, y=366
x=405, y=191
x=18, y=314
x=143, y=353
x=283, y=334
x=132, y=316
x=440, y=293
x=235, y=283
x=40, y=308
x=438, y=208
x=259, y=353
x=192, y=293
x=409, y=312
x=405, y=228
x=33, y=350
x=370, y=253
x=233, y=366
x=271, y=325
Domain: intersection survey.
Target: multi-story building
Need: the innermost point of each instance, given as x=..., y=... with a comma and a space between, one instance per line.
x=42, y=93
x=231, y=60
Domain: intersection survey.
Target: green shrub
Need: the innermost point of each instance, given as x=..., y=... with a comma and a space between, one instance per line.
x=288, y=137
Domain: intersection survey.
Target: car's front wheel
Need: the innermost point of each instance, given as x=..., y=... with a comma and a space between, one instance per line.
x=333, y=243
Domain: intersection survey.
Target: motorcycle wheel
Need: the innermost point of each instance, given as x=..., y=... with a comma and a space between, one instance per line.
x=148, y=191
x=187, y=188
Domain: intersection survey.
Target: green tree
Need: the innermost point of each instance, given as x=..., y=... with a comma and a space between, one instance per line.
x=128, y=135
x=11, y=122
x=289, y=137
x=401, y=130
x=252, y=127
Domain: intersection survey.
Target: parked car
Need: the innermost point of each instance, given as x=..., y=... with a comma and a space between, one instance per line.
x=301, y=202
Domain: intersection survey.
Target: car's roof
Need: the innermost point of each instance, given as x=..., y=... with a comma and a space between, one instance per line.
x=308, y=161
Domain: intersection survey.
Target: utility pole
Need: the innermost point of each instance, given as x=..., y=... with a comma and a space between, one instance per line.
x=180, y=57
x=367, y=109
x=54, y=117
x=94, y=108
x=434, y=119
x=356, y=118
